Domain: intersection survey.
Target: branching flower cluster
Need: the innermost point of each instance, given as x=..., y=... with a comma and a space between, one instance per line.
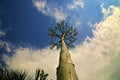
x=62, y=31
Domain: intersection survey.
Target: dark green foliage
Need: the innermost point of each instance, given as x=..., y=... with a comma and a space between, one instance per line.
x=16, y=75
x=62, y=30
x=40, y=75
x=8, y=74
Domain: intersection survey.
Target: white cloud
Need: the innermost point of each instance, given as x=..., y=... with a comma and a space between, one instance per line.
x=75, y=4
x=42, y=7
x=31, y=59
x=5, y=45
x=94, y=58
x=91, y=24
x=107, y=11
x=96, y=55
x=50, y=10
x=2, y=33
x=59, y=15
x=57, y=11
x=77, y=22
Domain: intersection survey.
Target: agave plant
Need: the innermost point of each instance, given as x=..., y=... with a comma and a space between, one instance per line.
x=17, y=75
x=40, y=75
x=63, y=36
x=9, y=74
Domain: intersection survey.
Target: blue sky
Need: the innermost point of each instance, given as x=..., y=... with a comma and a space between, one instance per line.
x=24, y=24
x=24, y=35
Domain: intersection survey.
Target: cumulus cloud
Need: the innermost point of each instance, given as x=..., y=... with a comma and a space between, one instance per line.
x=31, y=59
x=107, y=11
x=96, y=58
x=50, y=10
x=75, y=4
x=96, y=55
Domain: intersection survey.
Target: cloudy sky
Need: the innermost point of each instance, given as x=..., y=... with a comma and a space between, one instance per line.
x=24, y=41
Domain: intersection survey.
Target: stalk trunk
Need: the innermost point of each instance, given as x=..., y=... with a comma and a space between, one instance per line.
x=66, y=68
